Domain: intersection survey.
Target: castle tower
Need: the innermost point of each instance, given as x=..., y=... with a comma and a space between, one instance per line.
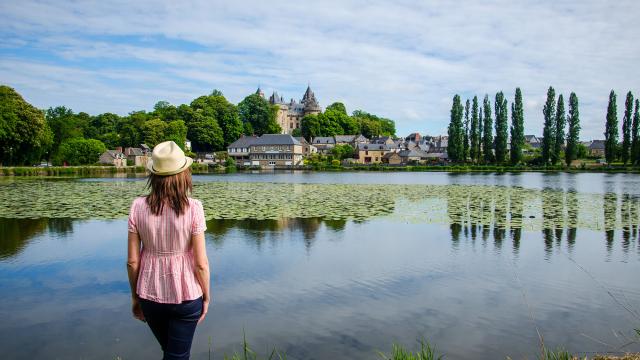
x=311, y=105
x=259, y=92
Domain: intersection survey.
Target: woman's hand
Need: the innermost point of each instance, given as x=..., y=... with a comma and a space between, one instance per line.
x=137, y=310
x=205, y=308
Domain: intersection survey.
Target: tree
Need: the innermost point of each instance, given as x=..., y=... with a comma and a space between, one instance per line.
x=25, y=136
x=635, y=135
x=573, y=135
x=153, y=132
x=176, y=131
x=487, y=136
x=256, y=110
x=559, y=131
x=548, y=133
x=501, y=128
x=474, y=135
x=79, y=151
x=377, y=126
x=205, y=134
x=455, y=148
x=465, y=152
x=337, y=106
x=343, y=151
x=480, y=136
x=626, y=128
x=225, y=114
x=64, y=124
x=340, y=121
x=517, y=128
x=310, y=127
x=611, y=129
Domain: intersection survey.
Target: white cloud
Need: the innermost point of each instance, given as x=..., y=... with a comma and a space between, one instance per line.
x=404, y=60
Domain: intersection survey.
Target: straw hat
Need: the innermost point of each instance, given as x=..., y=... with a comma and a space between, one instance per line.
x=168, y=159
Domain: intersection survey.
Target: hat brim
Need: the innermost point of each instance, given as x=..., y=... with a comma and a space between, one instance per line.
x=187, y=164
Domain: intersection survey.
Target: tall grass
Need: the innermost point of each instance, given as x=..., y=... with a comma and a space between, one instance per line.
x=426, y=352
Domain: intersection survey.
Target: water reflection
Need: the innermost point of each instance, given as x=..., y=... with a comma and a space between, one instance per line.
x=15, y=234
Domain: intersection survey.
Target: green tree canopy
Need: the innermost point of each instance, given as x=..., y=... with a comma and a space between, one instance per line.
x=487, y=136
x=153, y=132
x=626, y=128
x=176, y=131
x=456, y=131
x=502, y=128
x=548, y=132
x=256, y=110
x=559, y=131
x=611, y=129
x=25, y=136
x=573, y=135
x=517, y=128
x=205, y=134
x=337, y=106
x=79, y=151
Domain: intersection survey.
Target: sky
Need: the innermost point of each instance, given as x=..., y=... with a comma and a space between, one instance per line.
x=403, y=60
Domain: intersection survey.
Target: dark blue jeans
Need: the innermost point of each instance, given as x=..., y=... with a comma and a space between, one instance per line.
x=173, y=325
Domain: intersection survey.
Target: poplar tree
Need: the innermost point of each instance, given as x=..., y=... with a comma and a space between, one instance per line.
x=559, y=132
x=548, y=133
x=611, y=129
x=517, y=128
x=465, y=152
x=501, y=128
x=626, y=128
x=474, y=135
x=573, y=134
x=487, y=136
x=456, y=136
x=480, y=131
x=635, y=135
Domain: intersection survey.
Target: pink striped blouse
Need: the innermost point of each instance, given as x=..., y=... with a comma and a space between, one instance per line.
x=167, y=267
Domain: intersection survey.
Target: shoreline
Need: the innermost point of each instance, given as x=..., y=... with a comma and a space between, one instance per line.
x=87, y=171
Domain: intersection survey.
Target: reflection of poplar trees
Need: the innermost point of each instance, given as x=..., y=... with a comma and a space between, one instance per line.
x=625, y=218
x=552, y=218
x=572, y=218
x=256, y=230
x=610, y=211
x=547, y=235
x=515, y=223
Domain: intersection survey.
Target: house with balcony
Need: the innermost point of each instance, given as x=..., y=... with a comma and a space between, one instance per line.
x=275, y=150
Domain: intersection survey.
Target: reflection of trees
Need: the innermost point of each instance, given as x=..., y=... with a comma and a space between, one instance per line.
x=610, y=214
x=61, y=226
x=572, y=218
x=626, y=211
x=258, y=230
x=15, y=234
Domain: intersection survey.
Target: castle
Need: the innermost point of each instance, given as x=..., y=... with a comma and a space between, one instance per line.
x=290, y=115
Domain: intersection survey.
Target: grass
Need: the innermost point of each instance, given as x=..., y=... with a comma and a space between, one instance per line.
x=426, y=352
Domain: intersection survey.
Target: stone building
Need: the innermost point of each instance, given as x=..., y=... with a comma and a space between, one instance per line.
x=290, y=114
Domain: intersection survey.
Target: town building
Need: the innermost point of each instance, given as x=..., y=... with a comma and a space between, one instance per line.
x=290, y=114
x=271, y=150
x=371, y=153
x=239, y=150
x=136, y=156
x=533, y=141
x=307, y=149
x=596, y=148
x=113, y=157
x=324, y=144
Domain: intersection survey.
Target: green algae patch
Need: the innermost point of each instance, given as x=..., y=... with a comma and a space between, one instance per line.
x=499, y=206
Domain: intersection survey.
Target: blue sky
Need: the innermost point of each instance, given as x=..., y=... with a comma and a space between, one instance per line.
x=403, y=60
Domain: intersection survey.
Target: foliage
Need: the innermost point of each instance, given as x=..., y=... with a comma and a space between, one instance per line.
x=25, y=136
x=79, y=151
x=342, y=151
x=64, y=124
x=559, y=131
x=611, y=129
x=573, y=136
x=635, y=135
x=152, y=132
x=501, y=128
x=225, y=114
x=426, y=352
x=205, y=133
x=474, y=135
x=373, y=125
x=626, y=128
x=548, y=132
x=455, y=147
x=176, y=131
x=337, y=106
x=257, y=111
x=487, y=136
x=517, y=129
x=465, y=143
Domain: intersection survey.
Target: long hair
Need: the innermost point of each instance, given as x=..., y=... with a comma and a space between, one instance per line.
x=170, y=190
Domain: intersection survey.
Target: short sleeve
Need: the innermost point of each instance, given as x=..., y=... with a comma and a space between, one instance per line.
x=132, y=218
x=198, y=222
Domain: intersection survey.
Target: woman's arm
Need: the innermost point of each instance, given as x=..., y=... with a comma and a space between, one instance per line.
x=133, y=268
x=202, y=270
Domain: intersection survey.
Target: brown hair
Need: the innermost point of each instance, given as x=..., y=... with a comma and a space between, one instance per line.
x=171, y=190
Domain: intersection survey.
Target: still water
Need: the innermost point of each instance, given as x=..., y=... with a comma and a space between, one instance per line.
x=339, y=289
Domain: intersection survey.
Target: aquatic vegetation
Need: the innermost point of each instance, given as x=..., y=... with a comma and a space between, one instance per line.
x=495, y=206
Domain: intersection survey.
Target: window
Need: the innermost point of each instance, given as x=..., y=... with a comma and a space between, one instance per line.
x=272, y=163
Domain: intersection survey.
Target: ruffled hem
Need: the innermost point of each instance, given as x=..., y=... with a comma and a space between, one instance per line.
x=168, y=279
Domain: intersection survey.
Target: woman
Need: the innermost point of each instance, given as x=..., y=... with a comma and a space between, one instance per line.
x=169, y=276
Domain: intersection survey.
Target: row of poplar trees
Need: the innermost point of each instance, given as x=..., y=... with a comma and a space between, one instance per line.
x=629, y=150
x=472, y=139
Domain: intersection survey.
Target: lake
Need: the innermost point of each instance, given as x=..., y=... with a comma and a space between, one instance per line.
x=337, y=265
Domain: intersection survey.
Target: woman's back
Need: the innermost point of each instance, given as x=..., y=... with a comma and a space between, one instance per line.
x=167, y=269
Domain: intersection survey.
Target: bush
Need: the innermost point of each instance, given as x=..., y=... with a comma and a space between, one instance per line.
x=79, y=151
